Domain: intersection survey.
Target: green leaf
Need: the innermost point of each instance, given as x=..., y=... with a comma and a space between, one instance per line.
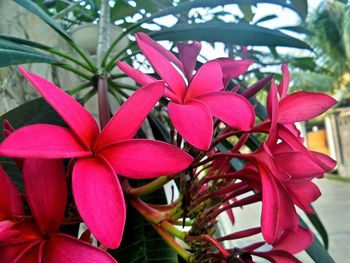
x=35, y=111
x=297, y=29
x=36, y=10
x=232, y=33
x=316, y=222
x=26, y=42
x=265, y=18
x=15, y=57
x=121, y=10
x=247, y=12
x=299, y=6
x=317, y=251
x=14, y=54
x=304, y=63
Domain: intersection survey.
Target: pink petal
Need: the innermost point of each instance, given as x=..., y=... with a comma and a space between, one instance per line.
x=99, y=199
x=265, y=158
x=129, y=118
x=143, y=158
x=46, y=190
x=278, y=212
x=42, y=141
x=328, y=163
x=277, y=256
x=62, y=248
x=145, y=39
x=31, y=255
x=295, y=241
x=161, y=59
x=233, y=68
x=256, y=87
x=8, y=253
x=303, y=193
x=10, y=199
x=303, y=105
x=207, y=79
x=188, y=53
x=298, y=165
x=135, y=74
x=75, y=115
x=231, y=108
x=193, y=121
x=284, y=85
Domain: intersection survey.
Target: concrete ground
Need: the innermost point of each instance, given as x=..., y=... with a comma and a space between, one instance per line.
x=333, y=208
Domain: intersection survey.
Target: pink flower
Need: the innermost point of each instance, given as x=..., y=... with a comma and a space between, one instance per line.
x=295, y=107
x=26, y=240
x=99, y=155
x=286, y=175
x=191, y=108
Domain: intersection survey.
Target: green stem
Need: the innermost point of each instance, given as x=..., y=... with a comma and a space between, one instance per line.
x=111, y=63
x=79, y=88
x=172, y=230
x=116, y=95
x=172, y=243
x=68, y=57
x=82, y=54
x=149, y=188
x=151, y=215
x=104, y=32
x=89, y=95
x=124, y=85
x=74, y=70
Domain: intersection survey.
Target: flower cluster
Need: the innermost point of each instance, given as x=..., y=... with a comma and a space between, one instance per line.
x=279, y=172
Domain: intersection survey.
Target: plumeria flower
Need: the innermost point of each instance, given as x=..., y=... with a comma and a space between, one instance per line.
x=25, y=240
x=99, y=155
x=199, y=97
x=286, y=173
x=291, y=108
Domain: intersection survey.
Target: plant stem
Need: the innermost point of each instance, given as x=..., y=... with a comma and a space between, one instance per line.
x=151, y=215
x=149, y=188
x=103, y=103
x=172, y=230
x=172, y=243
x=74, y=70
x=70, y=58
x=104, y=32
x=79, y=88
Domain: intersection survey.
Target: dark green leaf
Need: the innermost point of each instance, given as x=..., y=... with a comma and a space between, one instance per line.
x=15, y=57
x=316, y=222
x=121, y=10
x=299, y=6
x=297, y=29
x=15, y=54
x=36, y=10
x=317, y=251
x=26, y=42
x=232, y=33
x=265, y=18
